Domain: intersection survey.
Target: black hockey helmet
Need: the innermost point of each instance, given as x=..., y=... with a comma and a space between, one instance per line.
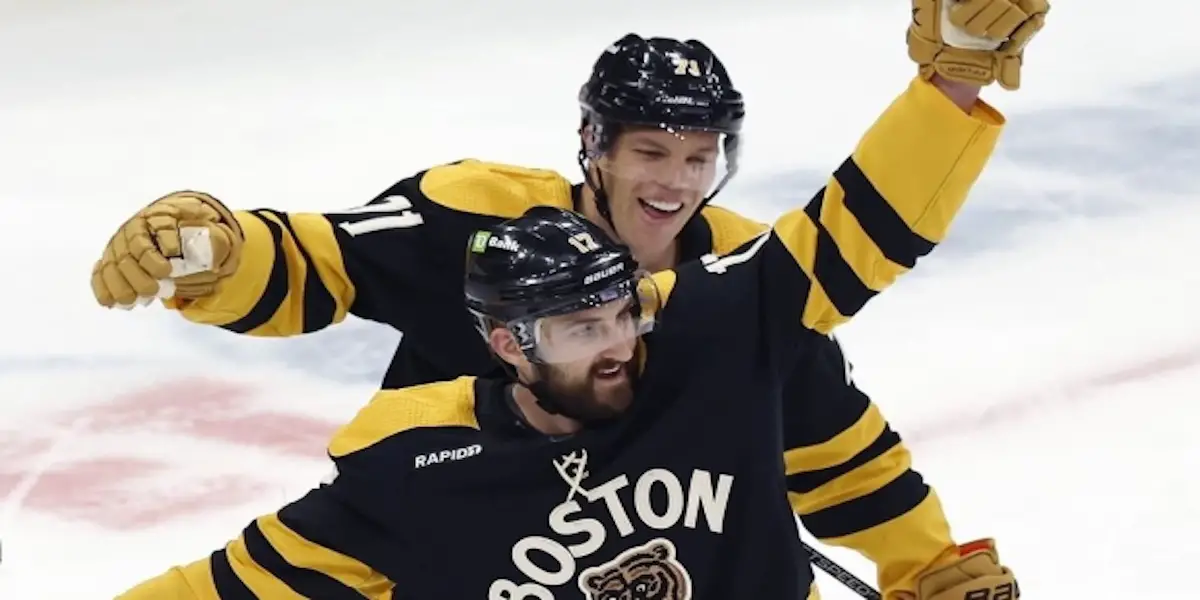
x=545, y=263
x=674, y=85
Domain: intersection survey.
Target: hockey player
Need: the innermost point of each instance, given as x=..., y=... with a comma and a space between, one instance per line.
x=607, y=465
x=660, y=135
x=394, y=260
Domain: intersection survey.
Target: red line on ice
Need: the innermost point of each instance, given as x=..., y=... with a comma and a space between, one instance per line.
x=1014, y=408
x=212, y=410
x=125, y=492
x=119, y=492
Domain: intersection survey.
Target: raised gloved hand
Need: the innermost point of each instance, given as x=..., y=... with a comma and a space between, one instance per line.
x=180, y=245
x=976, y=575
x=974, y=41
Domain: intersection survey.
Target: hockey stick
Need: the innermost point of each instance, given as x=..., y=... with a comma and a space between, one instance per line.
x=835, y=570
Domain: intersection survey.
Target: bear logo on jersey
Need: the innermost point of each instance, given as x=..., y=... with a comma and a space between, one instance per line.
x=646, y=572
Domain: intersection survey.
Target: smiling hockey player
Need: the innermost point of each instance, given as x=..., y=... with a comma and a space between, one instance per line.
x=607, y=464
x=649, y=166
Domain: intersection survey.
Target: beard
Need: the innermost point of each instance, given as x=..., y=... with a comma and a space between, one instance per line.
x=596, y=398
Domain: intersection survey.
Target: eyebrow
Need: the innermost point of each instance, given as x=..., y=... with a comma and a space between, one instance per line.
x=578, y=319
x=650, y=142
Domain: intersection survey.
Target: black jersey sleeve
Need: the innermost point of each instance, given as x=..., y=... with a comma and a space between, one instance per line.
x=320, y=546
x=886, y=206
x=391, y=260
x=351, y=536
x=781, y=294
x=849, y=475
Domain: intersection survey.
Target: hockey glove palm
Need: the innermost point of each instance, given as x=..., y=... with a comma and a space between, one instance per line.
x=976, y=574
x=974, y=41
x=180, y=245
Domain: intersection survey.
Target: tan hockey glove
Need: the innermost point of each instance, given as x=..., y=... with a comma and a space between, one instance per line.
x=976, y=575
x=180, y=245
x=974, y=41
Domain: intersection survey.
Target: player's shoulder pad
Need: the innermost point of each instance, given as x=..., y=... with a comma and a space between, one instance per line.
x=729, y=229
x=393, y=412
x=494, y=189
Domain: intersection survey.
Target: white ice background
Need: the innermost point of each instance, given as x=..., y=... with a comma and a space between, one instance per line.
x=1043, y=362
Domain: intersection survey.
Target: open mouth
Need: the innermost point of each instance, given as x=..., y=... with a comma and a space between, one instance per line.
x=660, y=209
x=613, y=371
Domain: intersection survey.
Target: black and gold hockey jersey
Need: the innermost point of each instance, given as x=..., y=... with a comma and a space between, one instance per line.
x=399, y=260
x=440, y=493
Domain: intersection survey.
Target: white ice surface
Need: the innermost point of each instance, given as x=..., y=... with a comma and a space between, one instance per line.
x=1044, y=361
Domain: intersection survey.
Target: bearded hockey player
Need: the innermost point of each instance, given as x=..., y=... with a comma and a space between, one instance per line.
x=277, y=274
x=609, y=463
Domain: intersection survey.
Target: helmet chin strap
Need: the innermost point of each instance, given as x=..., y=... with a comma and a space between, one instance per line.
x=599, y=195
x=545, y=398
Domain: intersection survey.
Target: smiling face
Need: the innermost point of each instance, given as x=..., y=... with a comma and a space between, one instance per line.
x=587, y=359
x=590, y=356
x=655, y=181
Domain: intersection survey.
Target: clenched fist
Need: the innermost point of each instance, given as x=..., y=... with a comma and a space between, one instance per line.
x=180, y=245
x=974, y=41
x=976, y=575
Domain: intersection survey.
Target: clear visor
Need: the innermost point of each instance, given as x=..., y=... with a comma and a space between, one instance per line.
x=609, y=320
x=668, y=165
